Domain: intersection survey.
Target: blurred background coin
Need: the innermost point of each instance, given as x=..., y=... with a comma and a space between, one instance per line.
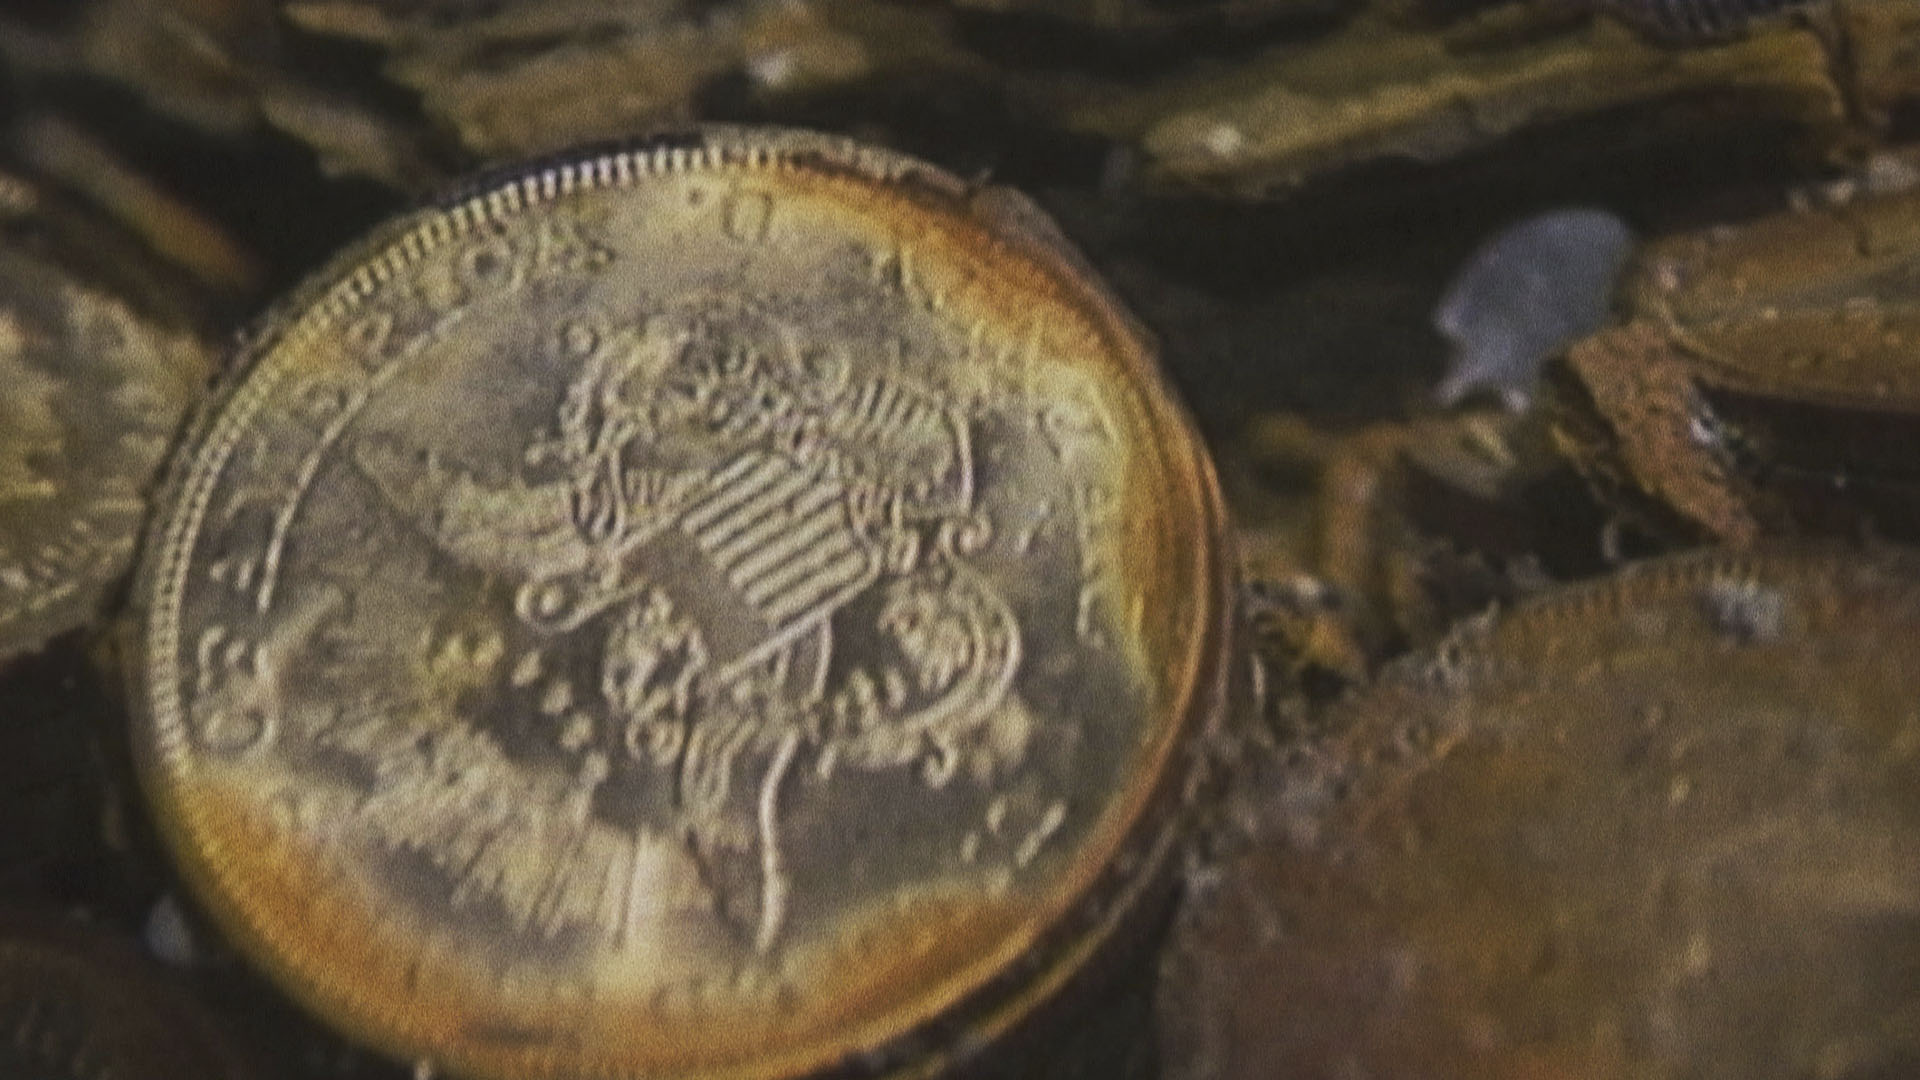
x=1661, y=825
x=1765, y=382
x=99, y=372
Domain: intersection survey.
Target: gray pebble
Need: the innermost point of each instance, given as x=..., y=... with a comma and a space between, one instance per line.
x=169, y=936
x=1527, y=293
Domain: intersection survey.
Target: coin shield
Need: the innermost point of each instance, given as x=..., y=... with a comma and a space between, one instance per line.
x=706, y=611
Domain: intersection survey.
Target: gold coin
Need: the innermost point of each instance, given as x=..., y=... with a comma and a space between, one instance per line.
x=1659, y=826
x=97, y=384
x=1764, y=384
x=733, y=607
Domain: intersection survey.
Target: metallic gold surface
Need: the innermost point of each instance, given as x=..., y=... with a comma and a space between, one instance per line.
x=705, y=610
x=95, y=390
x=1658, y=826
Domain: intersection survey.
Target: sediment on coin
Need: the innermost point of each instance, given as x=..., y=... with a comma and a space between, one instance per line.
x=1856, y=250
x=1418, y=524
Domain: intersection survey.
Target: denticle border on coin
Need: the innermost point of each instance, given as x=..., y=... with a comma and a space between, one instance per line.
x=1181, y=617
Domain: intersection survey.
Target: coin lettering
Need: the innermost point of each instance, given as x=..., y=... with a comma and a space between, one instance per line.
x=642, y=614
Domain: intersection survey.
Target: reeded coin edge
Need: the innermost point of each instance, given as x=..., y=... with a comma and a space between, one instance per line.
x=1784, y=563
x=1717, y=366
x=998, y=991
x=1107, y=921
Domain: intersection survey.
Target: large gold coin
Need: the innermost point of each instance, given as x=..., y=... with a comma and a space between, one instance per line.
x=735, y=608
x=1665, y=826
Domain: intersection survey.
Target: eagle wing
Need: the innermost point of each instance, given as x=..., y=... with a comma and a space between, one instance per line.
x=518, y=530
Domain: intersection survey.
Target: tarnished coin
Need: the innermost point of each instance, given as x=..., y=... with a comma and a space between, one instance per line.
x=734, y=607
x=78, y=1005
x=1663, y=826
x=1766, y=384
x=1860, y=252
x=96, y=386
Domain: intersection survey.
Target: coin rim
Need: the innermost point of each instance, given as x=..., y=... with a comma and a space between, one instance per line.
x=959, y=1013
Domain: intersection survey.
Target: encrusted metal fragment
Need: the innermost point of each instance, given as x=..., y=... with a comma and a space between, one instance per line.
x=1767, y=384
x=526, y=79
x=1696, y=21
x=1377, y=89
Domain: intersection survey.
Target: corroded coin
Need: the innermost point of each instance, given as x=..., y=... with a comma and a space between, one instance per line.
x=733, y=607
x=1661, y=826
x=79, y=1005
x=97, y=385
x=1766, y=384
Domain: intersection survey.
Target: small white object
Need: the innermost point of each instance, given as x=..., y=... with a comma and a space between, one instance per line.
x=1224, y=140
x=773, y=70
x=168, y=935
x=1535, y=287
